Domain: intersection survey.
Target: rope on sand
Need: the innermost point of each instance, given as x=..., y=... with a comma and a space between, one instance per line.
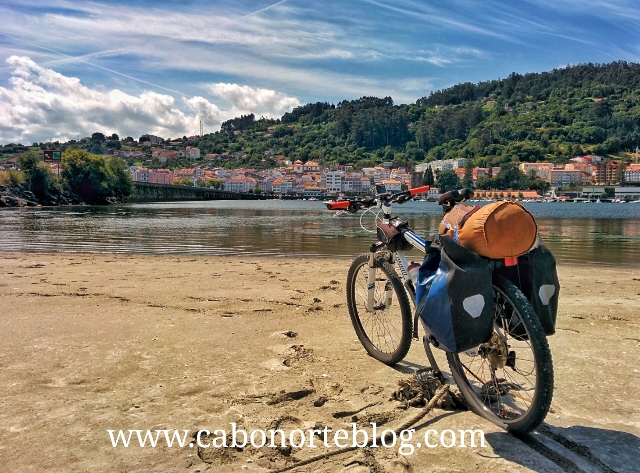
x=440, y=393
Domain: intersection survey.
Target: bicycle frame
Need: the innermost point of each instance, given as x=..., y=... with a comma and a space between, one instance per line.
x=398, y=258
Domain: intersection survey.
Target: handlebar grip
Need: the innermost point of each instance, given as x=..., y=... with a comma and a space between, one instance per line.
x=419, y=190
x=342, y=205
x=446, y=196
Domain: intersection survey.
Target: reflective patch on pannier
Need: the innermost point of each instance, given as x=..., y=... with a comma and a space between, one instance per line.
x=455, y=297
x=474, y=305
x=546, y=292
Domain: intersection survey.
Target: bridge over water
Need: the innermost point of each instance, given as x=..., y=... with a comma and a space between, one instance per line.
x=145, y=192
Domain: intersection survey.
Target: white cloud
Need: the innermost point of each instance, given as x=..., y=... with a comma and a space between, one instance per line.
x=259, y=101
x=41, y=103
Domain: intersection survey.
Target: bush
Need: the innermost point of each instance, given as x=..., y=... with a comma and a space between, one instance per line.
x=11, y=178
x=93, y=178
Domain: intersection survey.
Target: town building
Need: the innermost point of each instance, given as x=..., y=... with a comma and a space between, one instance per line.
x=154, y=140
x=151, y=176
x=443, y=165
x=632, y=173
x=240, y=184
x=416, y=179
x=332, y=181
x=605, y=173
x=565, y=177
x=391, y=185
x=192, y=152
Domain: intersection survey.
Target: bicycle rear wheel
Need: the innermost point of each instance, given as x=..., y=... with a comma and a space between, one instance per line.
x=385, y=332
x=508, y=380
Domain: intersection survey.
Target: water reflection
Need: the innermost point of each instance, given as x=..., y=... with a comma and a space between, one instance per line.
x=593, y=233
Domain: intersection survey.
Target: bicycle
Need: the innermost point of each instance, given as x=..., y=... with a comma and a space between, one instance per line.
x=507, y=380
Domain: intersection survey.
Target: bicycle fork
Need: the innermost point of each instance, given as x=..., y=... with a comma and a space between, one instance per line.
x=371, y=288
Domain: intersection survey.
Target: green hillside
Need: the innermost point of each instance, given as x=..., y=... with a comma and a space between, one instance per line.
x=556, y=115
x=589, y=108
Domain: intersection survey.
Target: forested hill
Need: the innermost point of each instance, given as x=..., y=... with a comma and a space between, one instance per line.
x=588, y=108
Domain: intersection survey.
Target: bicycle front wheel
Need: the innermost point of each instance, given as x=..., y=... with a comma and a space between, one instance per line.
x=508, y=380
x=385, y=329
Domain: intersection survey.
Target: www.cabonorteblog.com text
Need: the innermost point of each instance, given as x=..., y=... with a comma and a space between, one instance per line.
x=235, y=437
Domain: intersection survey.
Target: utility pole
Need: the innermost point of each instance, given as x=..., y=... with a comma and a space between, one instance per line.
x=201, y=130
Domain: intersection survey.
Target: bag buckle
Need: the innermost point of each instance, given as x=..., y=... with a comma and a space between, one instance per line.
x=513, y=261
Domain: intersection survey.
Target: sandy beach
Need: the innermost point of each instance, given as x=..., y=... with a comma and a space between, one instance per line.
x=92, y=343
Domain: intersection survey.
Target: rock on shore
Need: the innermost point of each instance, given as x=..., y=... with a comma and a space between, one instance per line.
x=22, y=197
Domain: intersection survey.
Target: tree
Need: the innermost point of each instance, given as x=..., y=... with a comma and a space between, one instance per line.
x=38, y=175
x=98, y=137
x=185, y=181
x=428, y=177
x=620, y=173
x=120, y=182
x=93, y=178
x=447, y=180
x=467, y=180
x=215, y=183
x=510, y=176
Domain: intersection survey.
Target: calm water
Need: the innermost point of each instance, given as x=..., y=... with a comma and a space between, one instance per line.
x=604, y=233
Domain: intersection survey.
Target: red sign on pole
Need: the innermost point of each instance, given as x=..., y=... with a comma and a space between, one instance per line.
x=52, y=156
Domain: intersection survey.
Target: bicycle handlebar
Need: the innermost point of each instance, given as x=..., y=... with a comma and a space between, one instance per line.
x=419, y=190
x=355, y=205
x=455, y=196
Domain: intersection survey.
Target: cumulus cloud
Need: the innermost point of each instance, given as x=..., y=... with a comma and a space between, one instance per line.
x=264, y=102
x=41, y=103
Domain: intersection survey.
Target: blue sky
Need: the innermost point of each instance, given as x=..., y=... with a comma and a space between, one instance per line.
x=131, y=67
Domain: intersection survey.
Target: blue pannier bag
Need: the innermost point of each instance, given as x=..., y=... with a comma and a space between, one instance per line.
x=455, y=296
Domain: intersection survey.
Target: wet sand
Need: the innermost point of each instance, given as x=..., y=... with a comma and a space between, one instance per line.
x=97, y=342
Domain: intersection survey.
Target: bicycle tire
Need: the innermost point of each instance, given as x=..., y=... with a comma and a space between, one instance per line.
x=386, y=333
x=502, y=399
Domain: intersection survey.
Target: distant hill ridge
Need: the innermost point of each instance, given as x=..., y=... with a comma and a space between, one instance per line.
x=546, y=116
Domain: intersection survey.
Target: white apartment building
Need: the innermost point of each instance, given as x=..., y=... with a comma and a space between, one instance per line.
x=632, y=173
x=392, y=185
x=564, y=177
x=443, y=165
x=357, y=184
x=192, y=152
x=240, y=184
x=379, y=173
x=265, y=185
x=282, y=187
x=332, y=181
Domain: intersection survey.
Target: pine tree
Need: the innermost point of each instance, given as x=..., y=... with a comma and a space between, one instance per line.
x=428, y=177
x=467, y=180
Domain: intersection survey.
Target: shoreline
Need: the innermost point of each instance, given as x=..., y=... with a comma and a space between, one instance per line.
x=294, y=256
x=101, y=341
